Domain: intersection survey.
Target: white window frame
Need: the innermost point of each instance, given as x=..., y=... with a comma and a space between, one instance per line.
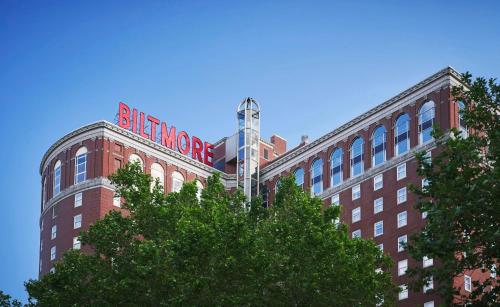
x=53, y=253
x=402, y=267
x=378, y=205
x=157, y=172
x=57, y=178
x=378, y=225
x=400, y=219
x=381, y=247
x=356, y=192
x=78, y=199
x=429, y=285
x=117, y=201
x=336, y=199
x=403, y=294
x=379, y=179
x=76, y=243
x=356, y=213
x=356, y=233
x=177, y=181
x=402, y=239
x=401, y=171
x=402, y=195
x=82, y=151
x=53, y=232
x=427, y=262
x=467, y=283
x=429, y=304
x=77, y=221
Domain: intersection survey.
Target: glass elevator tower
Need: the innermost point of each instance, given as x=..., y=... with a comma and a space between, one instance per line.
x=247, y=157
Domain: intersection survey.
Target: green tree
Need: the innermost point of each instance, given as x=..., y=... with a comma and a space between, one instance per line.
x=178, y=250
x=462, y=199
x=5, y=301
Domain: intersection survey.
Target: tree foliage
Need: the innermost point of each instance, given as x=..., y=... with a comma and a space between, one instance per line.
x=177, y=250
x=462, y=199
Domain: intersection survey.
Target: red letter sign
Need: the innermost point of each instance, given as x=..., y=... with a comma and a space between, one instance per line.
x=197, y=149
x=124, y=116
x=183, y=135
x=209, y=154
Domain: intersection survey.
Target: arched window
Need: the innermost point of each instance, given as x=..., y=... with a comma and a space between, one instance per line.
x=157, y=172
x=177, y=181
x=44, y=192
x=336, y=167
x=57, y=178
x=425, y=122
x=317, y=177
x=378, y=146
x=135, y=158
x=462, y=126
x=199, y=187
x=357, y=157
x=402, y=136
x=299, y=177
x=81, y=165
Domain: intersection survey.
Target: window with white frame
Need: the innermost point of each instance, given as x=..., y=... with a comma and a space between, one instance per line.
x=424, y=214
x=378, y=182
x=462, y=126
x=57, y=178
x=403, y=292
x=52, y=253
x=467, y=283
x=427, y=262
x=425, y=183
x=356, y=192
x=356, y=214
x=381, y=247
x=135, y=158
x=177, y=181
x=44, y=192
x=401, y=195
x=429, y=304
x=199, y=188
x=425, y=122
x=378, y=146
x=317, y=177
x=401, y=171
x=428, y=157
x=493, y=271
x=402, y=219
x=81, y=165
x=117, y=201
x=299, y=177
x=357, y=157
x=52, y=270
x=402, y=136
x=78, y=199
x=77, y=221
x=336, y=200
x=76, y=243
x=378, y=228
x=336, y=167
x=429, y=284
x=356, y=234
x=402, y=241
x=378, y=205
x=402, y=267
x=53, y=233
x=157, y=174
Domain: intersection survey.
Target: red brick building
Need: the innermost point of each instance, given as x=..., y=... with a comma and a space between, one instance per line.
x=365, y=165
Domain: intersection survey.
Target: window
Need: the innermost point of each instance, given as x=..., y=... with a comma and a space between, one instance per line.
x=317, y=177
x=53, y=233
x=52, y=270
x=265, y=195
x=335, y=200
x=54, y=213
x=402, y=241
x=381, y=247
x=402, y=267
x=401, y=195
x=336, y=167
x=378, y=228
x=425, y=183
x=356, y=192
x=427, y=262
x=403, y=292
x=462, y=126
x=493, y=271
x=429, y=284
x=76, y=243
x=177, y=181
x=77, y=221
x=401, y=171
x=357, y=157
x=424, y=214
x=266, y=154
x=378, y=205
x=402, y=219
x=356, y=234
x=157, y=173
x=425, y=122
x=402, y=137
x=378, y=146
x=57, y=178
x=356, y=214
x=429, y=304
x=467, y=283
x=81, y=165
x=135, y=158
x=199, y=188
x=52, y=253
x=299, y=177
x=44, y=191
x=78, y=199
x=378, y=182
x=428, y=157
x=117, y=201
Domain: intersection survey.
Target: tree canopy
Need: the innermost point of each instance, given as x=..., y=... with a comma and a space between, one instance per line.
x=462, y=199
x=177, y=249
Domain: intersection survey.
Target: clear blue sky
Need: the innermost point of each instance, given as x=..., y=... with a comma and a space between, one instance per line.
x=311, y=65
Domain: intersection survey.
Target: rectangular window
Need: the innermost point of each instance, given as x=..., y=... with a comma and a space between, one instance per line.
x=401, y=195
x=335, y=200
x=429, y=285
x=402, y=267
x=77, y=221
x=356, y=214
x=429, y=304
x=76, y=243
x=54, y=214
x=356, y=192
x=381, y=247
x=402, y=241
x=78, y=199
x=53, y=234
x=57, y=179
x=467, y=283
x=52, y=253
x=401, y=171
x=403, y=292
x=118, y=164
x=378, y=228
x=424, y=215
x=117, y=201
x=378, y=205
x=378, y=182
x=425, y=183
x=427, y=262
x=356, y=234
x=402, y=219
x=80, y=168
x=266, y=154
